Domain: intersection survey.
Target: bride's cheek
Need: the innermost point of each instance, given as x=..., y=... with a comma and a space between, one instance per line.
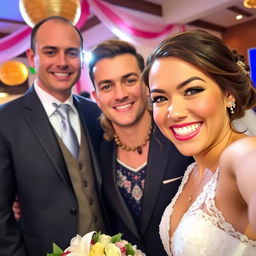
x=158, y=116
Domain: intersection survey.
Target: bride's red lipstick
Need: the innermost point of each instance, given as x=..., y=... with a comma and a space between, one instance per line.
x=185, y=131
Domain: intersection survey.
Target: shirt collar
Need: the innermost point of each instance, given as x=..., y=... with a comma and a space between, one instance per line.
x=47, y=100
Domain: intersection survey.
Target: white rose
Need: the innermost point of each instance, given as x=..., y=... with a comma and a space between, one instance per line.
x=80, y=246
x=105, y=239
x=74, y=244
x=112, y=250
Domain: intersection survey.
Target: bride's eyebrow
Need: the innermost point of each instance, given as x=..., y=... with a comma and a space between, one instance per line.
x=189, y=80
x=180, y=85
x=157, y=90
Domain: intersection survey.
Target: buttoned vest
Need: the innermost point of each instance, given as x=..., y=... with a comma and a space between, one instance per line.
x=81, y=175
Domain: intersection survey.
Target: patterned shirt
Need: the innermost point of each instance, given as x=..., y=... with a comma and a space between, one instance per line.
x=131, y=182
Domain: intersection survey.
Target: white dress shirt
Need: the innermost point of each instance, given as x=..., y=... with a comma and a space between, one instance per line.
x=47, y=101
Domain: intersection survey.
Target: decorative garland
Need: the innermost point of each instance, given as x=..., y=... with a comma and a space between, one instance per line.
x=123, y=23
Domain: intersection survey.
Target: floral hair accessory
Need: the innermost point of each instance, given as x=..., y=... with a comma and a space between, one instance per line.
x=242, y=66
x=97, y=244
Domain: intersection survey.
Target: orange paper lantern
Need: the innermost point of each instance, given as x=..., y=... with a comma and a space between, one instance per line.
x=250, y=3
x=13, y=73
x=34, y=11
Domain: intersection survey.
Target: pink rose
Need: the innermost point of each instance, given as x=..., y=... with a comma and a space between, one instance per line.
x=65, y=253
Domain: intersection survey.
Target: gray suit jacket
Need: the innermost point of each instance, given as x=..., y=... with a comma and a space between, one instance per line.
x=32, y=166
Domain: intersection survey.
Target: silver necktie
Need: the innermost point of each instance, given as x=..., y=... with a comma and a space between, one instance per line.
x=68, y=134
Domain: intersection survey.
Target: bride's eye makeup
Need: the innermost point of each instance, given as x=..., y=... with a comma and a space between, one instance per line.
x=193, y=90
x=158, y=99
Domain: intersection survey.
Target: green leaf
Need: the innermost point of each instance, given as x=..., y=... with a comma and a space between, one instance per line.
x=96, y=237
x=56, y=248
x=116, y=238
x=129, y=249
x=32, y=70
x=57, y=251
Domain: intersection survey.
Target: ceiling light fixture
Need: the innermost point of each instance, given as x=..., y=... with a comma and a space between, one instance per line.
x=250, y=3
x=239, y=17
x=3, y=94
x=87, y=56
x=34, y=11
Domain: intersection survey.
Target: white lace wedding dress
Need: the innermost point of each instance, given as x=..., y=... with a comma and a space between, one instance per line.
x=200, y=233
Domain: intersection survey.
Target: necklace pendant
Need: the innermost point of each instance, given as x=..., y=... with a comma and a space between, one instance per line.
x=139, y=150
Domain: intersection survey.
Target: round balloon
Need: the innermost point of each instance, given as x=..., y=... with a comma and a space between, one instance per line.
x=13, y=73
x=250, y=3
x=34, y=11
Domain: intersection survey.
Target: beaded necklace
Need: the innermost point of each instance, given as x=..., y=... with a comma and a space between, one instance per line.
x=138, y=148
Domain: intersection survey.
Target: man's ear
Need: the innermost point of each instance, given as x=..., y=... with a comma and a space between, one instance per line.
x=82, y=59
x=95, y=96
x=30, y=56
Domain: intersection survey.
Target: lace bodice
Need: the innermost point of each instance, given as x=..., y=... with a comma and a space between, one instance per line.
x=204, y=233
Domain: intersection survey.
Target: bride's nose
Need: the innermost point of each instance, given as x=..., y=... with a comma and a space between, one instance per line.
x=177, y=109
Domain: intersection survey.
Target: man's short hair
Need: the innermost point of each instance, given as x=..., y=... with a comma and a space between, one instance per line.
x=110, y=49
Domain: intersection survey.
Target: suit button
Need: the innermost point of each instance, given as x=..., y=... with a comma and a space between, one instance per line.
x=73, y=211
x=80, y=166
x=85, y=183
x=90, y=201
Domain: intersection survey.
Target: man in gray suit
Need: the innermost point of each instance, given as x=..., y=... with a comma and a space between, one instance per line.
x=56, y=188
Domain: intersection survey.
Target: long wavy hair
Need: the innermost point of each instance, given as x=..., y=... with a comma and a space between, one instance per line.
x=210, y=54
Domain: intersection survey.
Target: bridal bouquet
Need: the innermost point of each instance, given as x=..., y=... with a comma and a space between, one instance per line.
x=97, y=244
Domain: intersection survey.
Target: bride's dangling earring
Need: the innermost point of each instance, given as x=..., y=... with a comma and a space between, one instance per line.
x=232, y=106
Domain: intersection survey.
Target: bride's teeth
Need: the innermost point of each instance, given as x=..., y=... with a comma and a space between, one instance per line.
x=187, y=129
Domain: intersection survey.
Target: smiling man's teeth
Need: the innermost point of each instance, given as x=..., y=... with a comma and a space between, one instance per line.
x=124, y=106
x=187, y=129
x=61, y=74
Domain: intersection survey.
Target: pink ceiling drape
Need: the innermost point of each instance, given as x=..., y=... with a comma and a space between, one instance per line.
x=121, y=22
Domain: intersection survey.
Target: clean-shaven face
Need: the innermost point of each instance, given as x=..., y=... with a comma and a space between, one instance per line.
x=188, y=105
x=118, y=89
x=56, y=58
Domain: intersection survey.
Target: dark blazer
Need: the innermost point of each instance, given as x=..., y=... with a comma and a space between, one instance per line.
x=164, y=162
x=32, y=166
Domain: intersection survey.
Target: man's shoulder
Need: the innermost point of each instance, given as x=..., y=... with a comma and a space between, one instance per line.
x=18, y=103
x=11, y=114
x=107, y=148
x=83, y=100
x=12, y=105
x=108, y=143
x=87, y=103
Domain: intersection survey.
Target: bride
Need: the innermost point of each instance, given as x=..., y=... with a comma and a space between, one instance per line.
x=198, y=87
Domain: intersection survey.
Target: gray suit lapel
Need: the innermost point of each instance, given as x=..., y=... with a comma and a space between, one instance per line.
x=117, y=200
x=159, y=152
x=38, y=121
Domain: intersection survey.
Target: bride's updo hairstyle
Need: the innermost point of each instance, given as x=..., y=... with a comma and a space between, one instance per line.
x=212, y=56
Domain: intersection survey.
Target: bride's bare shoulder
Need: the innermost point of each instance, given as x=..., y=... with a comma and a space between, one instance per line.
x=237, y=151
